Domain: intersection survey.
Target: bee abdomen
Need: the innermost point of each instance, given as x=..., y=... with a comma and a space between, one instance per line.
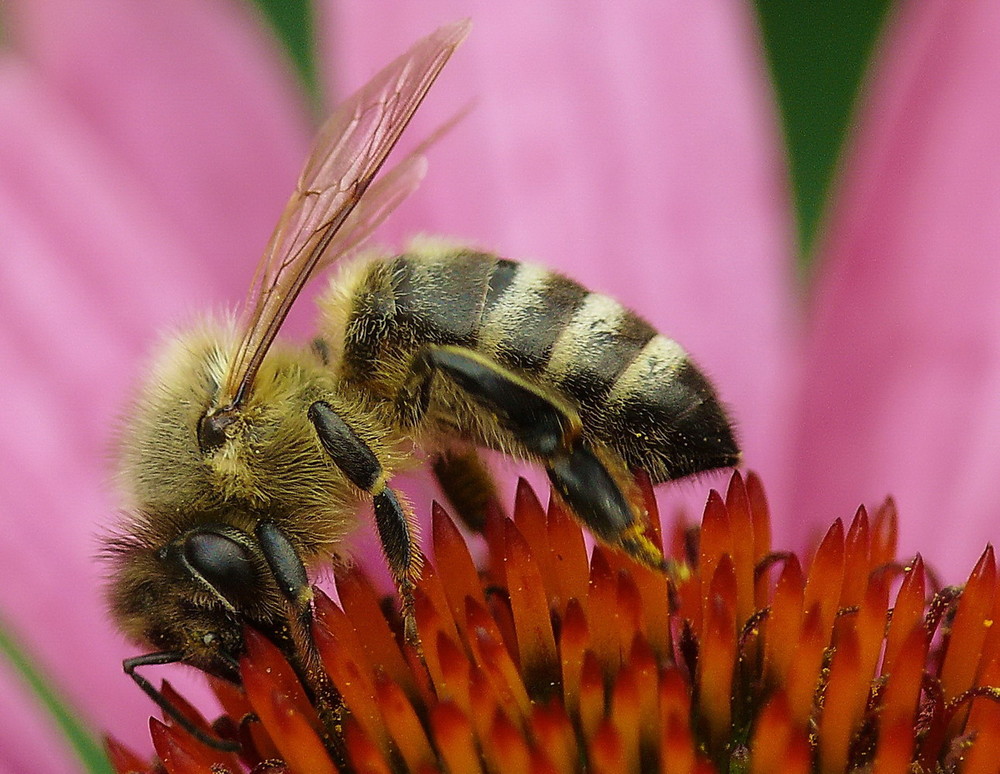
x=594, y=348
x=511, y=312
x=397, y=305
x=439, y=298
x=664, y=416
x=636, y=391
x=527, y=308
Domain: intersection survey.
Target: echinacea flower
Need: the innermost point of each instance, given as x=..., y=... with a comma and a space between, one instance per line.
x=146, y=149
x=545, y=660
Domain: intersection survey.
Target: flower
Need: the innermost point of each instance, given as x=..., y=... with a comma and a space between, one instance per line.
x=745, y=659
x=146, y=149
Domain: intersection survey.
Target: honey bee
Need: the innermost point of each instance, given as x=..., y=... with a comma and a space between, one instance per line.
x=246, y=460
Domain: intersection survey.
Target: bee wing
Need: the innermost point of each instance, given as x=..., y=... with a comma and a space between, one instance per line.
x=384, y=195
x=351, y=148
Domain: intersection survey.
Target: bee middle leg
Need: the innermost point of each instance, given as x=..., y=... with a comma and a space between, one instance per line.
x=393, y=517
x=590, y=477
x=467, y=483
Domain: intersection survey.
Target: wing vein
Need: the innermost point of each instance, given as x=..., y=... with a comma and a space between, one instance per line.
x=329, y=213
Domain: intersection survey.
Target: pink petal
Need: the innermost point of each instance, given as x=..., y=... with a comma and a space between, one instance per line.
x=188, y=96
x=631, y=145
x=69, y=354
x=143, y=155
x=903, y=366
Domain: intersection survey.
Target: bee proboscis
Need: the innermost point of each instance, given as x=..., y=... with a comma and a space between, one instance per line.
x=245, y=460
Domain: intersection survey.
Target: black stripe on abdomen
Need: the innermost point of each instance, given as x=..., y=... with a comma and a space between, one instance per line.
x=440, y=299
x=598, y=344
x=526, y=310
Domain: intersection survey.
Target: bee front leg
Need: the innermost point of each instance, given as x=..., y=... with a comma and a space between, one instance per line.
x=287, y=568
x=290, y=575
x=591, y=478
x=393, y=515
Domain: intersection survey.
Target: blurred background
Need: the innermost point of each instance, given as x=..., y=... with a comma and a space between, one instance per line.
x=805, y=195
x=816, y=54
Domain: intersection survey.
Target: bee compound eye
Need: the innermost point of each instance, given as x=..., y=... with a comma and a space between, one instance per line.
x=223, y=563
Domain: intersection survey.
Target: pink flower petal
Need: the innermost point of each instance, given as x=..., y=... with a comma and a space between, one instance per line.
x=187, y=94
x=144, y=154
x=632, y=146
x=69, y=350
x=903, y=366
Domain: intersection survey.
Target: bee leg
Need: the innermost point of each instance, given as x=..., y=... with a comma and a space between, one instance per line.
x=541, y=421
x=287, y=568
x=468, y=485
x=397, y=533
x=393, y=516
x=594, y=493
x=290, y=575
x=592, y=480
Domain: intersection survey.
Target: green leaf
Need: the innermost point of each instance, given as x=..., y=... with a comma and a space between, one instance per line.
x=292, y=20
x=81, y=740
x=818, y=51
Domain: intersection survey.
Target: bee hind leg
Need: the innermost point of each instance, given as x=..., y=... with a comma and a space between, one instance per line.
x=393, y=516
x=590, y=478
x=597, y=496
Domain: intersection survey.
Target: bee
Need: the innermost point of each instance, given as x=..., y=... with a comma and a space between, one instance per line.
x=245, y=460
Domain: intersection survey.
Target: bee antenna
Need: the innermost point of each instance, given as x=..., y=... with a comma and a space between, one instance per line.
x=172, y=657
x=212, y=427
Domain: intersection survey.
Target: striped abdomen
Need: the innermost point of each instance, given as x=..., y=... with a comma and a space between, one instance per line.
x=636, y=391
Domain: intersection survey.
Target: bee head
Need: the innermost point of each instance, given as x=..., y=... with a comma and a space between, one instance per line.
x=193, y=595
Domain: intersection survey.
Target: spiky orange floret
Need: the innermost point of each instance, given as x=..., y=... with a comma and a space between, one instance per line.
x=550, y=662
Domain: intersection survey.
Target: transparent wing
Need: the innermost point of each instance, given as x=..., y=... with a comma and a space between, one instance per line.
x=315, y=226
x=386, y=193
x=382, y=197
